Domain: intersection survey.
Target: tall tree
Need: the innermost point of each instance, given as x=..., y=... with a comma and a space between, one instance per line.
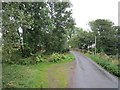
x=106, y=35
x=9, y=29
x=62, y=22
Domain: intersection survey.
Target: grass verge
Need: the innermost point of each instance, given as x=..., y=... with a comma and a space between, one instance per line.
x=41, y=75
x=110, y=65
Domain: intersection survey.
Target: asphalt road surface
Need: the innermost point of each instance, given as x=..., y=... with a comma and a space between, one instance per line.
x=88, y=74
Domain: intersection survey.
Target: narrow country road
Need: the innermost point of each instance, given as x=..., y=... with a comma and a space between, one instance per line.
x=90, y=75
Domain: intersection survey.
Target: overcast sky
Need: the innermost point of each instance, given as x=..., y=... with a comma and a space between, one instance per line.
x=87, y=10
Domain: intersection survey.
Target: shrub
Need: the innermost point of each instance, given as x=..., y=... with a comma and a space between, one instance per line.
x=32, y=60
x=12, y=57
x=40, y=58
x=55, y=57
x=24, y=61
x=37, y=58
x=66, y=50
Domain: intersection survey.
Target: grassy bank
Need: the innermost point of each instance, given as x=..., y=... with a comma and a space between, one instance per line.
x=110, y=64
x=41, y=75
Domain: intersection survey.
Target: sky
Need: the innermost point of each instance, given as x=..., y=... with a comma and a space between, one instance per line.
x=88, y=10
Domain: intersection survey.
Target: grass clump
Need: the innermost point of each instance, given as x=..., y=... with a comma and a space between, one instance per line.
x=106, y=63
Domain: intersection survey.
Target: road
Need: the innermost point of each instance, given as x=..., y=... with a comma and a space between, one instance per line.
x=90, y=75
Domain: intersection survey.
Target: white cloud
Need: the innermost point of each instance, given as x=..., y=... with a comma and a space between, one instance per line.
x=87, y=10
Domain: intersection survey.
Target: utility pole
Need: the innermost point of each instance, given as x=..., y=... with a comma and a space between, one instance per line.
x=95, y=45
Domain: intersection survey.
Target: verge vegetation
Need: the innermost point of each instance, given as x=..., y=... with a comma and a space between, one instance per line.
x=41, y=75
x=111, y=64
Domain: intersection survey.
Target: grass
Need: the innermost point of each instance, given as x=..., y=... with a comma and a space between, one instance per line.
x=107, y=63
x=41, y=75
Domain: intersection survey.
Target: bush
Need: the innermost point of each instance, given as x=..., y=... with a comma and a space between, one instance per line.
x=11, y=58
x=16, y=58
x=26, y=51
x=40, y=58
x=55, y=57
x=32, y=60
x=24, y=61
x=66, y=50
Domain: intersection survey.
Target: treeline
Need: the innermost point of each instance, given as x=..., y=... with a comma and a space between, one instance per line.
x=106, y=37
x=29, y=27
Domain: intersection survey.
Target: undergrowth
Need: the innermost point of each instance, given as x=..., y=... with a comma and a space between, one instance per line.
x=107, y=63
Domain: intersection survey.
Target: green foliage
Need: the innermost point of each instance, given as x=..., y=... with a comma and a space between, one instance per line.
x=45, y=26
x=66, y=50
x=35, y=26
x=10, y=56
x=103, y=29
x=81, y=39
x=40, y=58
x=28, y=76
x=24, y=61
x=106, y=37
x=55, y=57
x=25, y=76
x=32, y=60
x=106, y=64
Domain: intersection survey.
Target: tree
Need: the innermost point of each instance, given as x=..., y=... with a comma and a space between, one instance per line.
x=32, y=26
x=82, y=39
x=106, y=35
x=62, y=22
x=9, y=29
